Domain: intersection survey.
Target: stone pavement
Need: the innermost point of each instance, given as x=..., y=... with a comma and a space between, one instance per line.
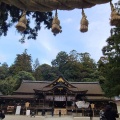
x=23, y=117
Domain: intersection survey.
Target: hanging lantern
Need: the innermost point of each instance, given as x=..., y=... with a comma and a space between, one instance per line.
x=84, y=23
x=56, y=28
x=115, y=16
x=21, y=26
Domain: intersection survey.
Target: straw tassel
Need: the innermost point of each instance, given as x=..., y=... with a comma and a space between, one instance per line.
x=21, y=26
x=115, y=16
x=56, y=28
x=84, y=23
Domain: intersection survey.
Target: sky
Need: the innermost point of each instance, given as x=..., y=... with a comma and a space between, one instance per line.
x=47, y=46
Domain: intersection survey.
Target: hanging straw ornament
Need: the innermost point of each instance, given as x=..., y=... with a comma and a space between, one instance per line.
x=21, y=26
x=84, y=23
x=56, y=28
x=115, y=16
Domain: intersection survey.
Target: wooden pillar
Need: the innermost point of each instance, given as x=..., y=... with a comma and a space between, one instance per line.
x=82, y=111
x=44, y=101
x=75, y=103
x=53, y=100
x=66, y=100
x=39, y=102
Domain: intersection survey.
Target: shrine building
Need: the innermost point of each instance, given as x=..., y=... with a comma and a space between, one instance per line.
x=58, y=95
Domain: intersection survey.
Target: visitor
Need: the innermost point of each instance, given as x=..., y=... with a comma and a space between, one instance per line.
x=59, y=113
x=101, y=113
x=43, y=112
x=32, y=114
x=72, y=112
x=2, y=115
x=91, y=113
x=110, y=114
x=52, y=111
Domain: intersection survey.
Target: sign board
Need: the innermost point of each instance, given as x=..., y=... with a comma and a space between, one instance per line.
x=18, y=108
x=27, y=112
x=118, y=108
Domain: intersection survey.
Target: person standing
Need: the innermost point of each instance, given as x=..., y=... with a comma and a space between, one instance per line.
x=101, y=113
x=91, y=113
x=59, y=113
x=110, y=114
x=43, y=112
x=32, y=114
x=2, y=115
x=52, y=111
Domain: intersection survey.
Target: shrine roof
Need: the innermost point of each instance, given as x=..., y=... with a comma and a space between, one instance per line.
x=103, y=98
x=29, y=86
x=17, y=96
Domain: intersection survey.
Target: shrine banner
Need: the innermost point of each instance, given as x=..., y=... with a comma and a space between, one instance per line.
x=59, y=98
x=27, y=112
x=82, y=104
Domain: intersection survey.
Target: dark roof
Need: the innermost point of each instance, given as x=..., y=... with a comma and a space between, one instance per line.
x=60, y=79
x=29, y=86
x=17, y=96
x=92, y=87
x=103, y=98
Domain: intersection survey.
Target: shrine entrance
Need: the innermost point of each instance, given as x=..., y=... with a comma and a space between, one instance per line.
x=60, y=104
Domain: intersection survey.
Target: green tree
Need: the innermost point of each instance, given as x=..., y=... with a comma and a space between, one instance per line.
x=111, y=67
x=22, y=75
x=8, y=85
x=36, y=64
x=60, y=61
x=10, y=15
x=87, y=61
x=76, y=66
x=72, y=71
x=11, y=83
x=102, y=68
x=89, y=67
x=23, y=62
x=38, y=74
x=46, y=72
x=74, y=56
x=4, y=71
